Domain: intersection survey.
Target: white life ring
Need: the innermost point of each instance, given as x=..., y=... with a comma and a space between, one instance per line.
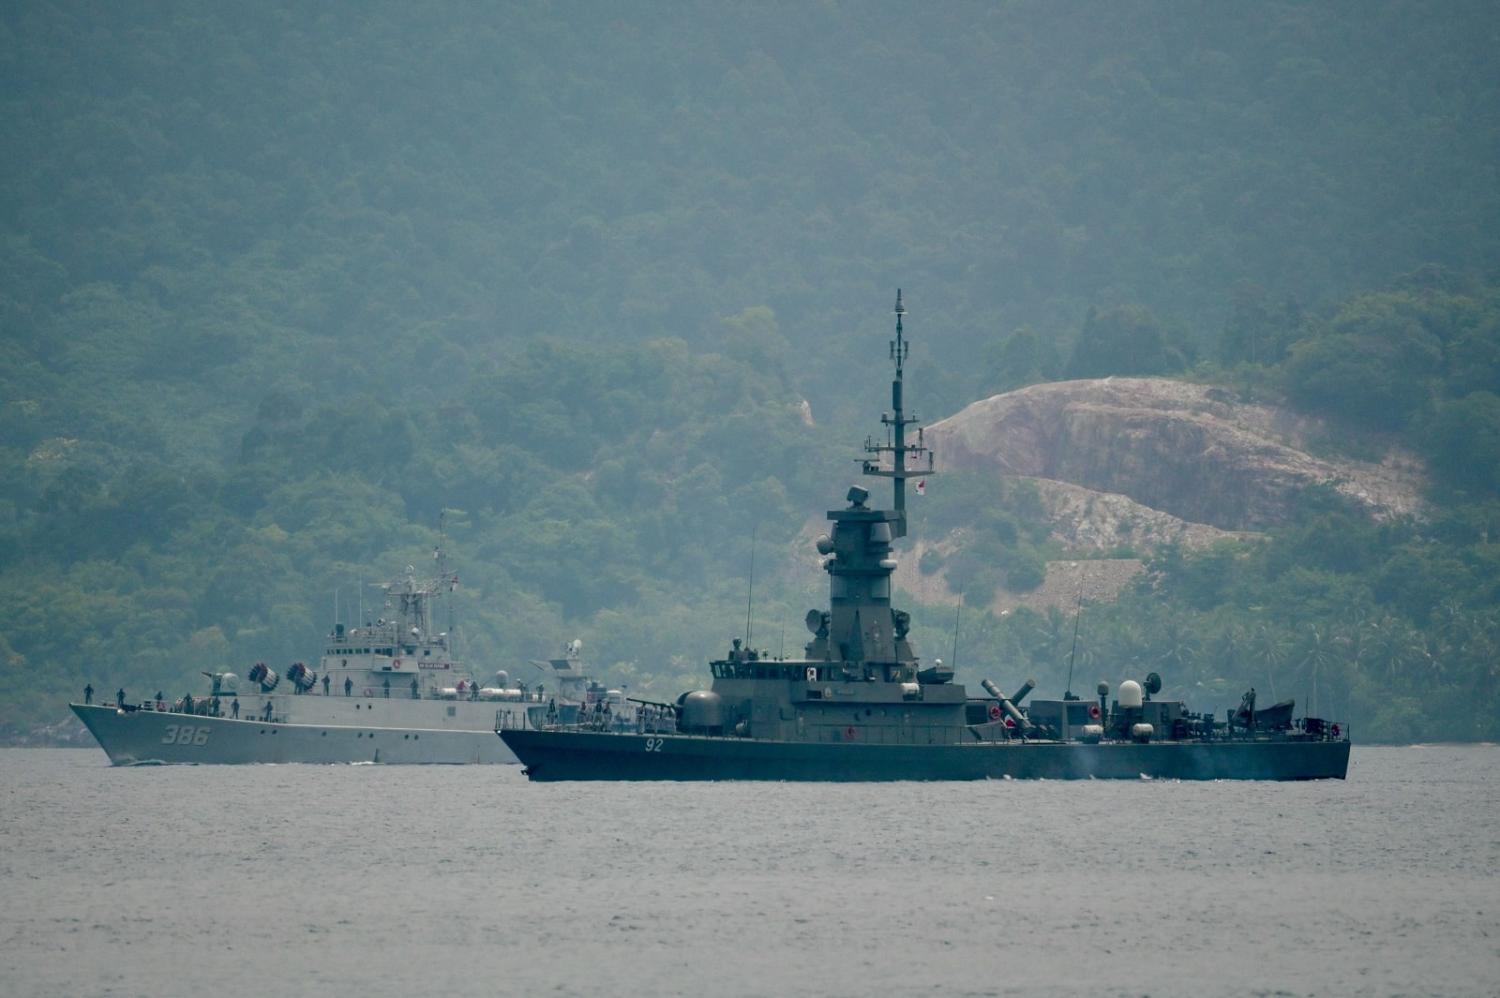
x=395, y=663
x=994, y=712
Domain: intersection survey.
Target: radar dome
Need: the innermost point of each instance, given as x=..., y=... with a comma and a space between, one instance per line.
x=1130, y=694
x=502, y=679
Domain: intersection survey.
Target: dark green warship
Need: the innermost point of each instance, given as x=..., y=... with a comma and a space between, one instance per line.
x=859, y=704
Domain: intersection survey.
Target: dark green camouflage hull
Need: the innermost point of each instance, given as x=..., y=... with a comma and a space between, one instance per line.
x=579, y=755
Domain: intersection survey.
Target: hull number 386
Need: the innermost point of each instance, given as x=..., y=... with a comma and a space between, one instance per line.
x=185, y=734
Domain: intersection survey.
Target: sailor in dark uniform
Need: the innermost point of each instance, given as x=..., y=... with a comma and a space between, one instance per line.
x=88, y=693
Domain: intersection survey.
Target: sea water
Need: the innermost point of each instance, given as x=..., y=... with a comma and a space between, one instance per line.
x=371, y=880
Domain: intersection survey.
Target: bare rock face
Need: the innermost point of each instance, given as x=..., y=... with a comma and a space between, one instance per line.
x=1086, y=520
x=1191, y=451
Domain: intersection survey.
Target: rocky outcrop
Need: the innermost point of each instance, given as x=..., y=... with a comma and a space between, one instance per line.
x=1089, y=521
x=1192, y=451
x=1125, y=466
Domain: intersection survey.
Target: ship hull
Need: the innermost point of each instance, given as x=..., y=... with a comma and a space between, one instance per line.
x=146, y=737
x=570, y=755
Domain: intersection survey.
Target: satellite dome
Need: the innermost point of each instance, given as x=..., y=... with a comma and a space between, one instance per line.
x=1130, y=694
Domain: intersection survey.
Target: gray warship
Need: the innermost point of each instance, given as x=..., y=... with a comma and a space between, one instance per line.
x=860, y=705
x=387, y=691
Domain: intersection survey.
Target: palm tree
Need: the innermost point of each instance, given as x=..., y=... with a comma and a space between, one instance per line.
x=1316, y=652
x=1268, y=649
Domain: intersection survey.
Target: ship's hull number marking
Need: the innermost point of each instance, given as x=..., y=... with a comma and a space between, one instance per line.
x=185, y=734
x=653, y=744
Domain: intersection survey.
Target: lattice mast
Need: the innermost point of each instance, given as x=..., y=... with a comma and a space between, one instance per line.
x=896, y=421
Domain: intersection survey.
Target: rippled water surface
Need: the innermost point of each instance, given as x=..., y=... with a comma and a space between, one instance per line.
x=369, y=881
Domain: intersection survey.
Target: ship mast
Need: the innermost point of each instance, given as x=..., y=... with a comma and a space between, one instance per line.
x=896, y=422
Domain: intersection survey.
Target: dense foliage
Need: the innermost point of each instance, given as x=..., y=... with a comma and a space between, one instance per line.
x=600, y=290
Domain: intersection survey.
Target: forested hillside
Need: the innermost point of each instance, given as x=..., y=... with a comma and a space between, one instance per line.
x=610, y=286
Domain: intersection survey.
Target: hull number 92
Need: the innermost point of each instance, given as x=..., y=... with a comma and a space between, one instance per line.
x=185, y=734
x=653, y=744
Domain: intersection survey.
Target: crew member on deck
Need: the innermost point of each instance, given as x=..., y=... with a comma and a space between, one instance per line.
x=88, y=694
x=120, y=697
x=348, y=686
x=325, y=684
x=415, y=690
x=235, y=706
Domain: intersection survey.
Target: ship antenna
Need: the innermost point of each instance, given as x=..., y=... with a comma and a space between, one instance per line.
x=750, y=599
x=1077, y=616
x=896, y=422
x=953, y=661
